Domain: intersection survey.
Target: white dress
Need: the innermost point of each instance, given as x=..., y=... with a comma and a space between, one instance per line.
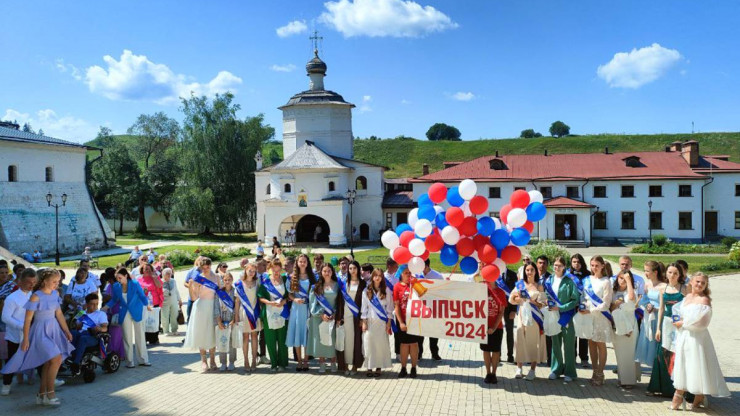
x=696, y=368
x=625, y=340
x=201, y=332
x=349, y=327
x=602, y=326
x=529, y=341
x=375, y=340
x=244, y=324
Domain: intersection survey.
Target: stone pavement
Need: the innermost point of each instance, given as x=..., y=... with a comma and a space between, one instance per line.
x=174, y=386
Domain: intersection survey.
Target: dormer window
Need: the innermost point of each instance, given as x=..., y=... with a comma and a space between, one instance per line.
x=632, y=162
x=497, y=164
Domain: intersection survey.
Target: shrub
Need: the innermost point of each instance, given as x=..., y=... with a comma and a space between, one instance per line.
x=677, y=248
x=181, y=258
x=728, y=241
x=549, y=249
x=660, y=240
x=735, y=252
x=711, y=267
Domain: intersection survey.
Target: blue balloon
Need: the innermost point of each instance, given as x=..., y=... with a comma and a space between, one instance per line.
x=441, y=220
x=486, y=226
x=536, y=211
x=448, y=255
x=454, y=198
x=403, y=227
x=520, y=236
x=469, y=265
x=427, y=212
x=424, y=200
x=500, y=239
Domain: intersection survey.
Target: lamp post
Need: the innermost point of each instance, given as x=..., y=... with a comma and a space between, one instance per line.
x=350, y=196
x=49, y=197
x=650, y=221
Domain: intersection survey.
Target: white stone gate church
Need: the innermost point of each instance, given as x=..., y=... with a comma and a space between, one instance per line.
x=307, y=189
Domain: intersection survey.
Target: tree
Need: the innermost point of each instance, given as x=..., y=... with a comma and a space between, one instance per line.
x=441, y=131
x=27, y=128
x=156, y=136
x=104, y=138
x=115, y=184
x=527, y=134
x=559, y=129
x=41, y=132
x=218, y=164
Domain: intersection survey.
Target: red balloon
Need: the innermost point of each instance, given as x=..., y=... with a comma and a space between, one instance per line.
x=504, y=213
x=406, y=238
x=478, y=205
x=465, y=247
x=437, y=192
x=469, y=226
x=455, y=216
x=519, y=199
x=487, y=254
x=480, y=240
x=490, y=273
x=425, y=255
x=434, y=242
x=402, y=255
x=511, y=254
x=529, y=226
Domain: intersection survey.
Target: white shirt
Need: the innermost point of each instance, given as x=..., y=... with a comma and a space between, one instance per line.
x=91, y=276
x=14, y=315
x=639, y=284
x=556, y=283
x=433, y=274
x=99, y=317
x=80, y=290
x=391, y=278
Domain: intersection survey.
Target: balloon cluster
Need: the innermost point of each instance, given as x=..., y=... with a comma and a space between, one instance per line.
x=464, y=234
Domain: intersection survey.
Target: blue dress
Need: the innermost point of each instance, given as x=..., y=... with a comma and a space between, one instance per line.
x=298, y=321
x=647, y=346
x=46, y=338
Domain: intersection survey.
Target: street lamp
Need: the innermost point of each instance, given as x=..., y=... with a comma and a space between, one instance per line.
x=49, y=197
x=350, y=196
x=650, y=221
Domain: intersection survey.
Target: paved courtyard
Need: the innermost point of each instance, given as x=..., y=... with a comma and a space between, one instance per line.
x=173, y=385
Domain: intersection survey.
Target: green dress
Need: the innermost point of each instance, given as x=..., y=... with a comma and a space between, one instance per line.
x=315, y=347
x=274, y=338
x=660, y=378
x=569, y=297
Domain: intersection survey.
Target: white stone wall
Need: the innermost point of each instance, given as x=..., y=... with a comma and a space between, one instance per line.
x=327, y=125
x=720, y=196
x=68, y=163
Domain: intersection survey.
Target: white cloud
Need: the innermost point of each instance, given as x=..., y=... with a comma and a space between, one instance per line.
x=63, y=67
x=365, y=107
x=62, y=127
x=380, y=18
x=463, y=96
x=283, y=68
x=405, y=101
x=295, y=27
x=136, y=78
x=638, y=67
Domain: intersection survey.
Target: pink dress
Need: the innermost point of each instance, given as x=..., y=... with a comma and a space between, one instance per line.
x=147, y=283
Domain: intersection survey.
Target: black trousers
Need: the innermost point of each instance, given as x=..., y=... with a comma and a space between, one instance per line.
x=263, y=348
x=582, y=349
x=509, y=325
x=433, y=346
x=548, y=346
x=397, y=344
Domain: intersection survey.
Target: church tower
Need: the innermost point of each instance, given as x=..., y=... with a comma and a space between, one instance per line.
x=318, y=115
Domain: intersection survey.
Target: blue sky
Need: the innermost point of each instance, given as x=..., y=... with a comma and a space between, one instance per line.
x=490, y=68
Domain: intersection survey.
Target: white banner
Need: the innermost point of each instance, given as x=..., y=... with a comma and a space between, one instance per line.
x=449, y=309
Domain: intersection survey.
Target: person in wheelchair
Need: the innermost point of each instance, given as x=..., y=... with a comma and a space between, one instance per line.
x=89, y=326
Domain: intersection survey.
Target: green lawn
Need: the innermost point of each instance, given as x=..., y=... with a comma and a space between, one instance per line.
x=138, y=239
x=112, y=261
x=695, y=262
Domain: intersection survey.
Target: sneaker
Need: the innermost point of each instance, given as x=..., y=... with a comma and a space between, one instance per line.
x=40, y=398
x=264, y=360
x=223, y=367
x=232, y=367
x=58, y=383
x=530, y=375
x=146, y=364
x=6, y=390
x=518, y=373
x=274, y=369
x=347, y=372
x=413, y=372
x=322, y=368
x=402, y=373
x=130, y=365
x=333, y=367
x=553, y=376
x=567, y=379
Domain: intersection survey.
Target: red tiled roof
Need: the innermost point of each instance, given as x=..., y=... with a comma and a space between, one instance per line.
x=576, y=166
x=716, y=163
x=563, y=202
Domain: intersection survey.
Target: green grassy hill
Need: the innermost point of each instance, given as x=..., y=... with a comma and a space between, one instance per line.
x=404, y=158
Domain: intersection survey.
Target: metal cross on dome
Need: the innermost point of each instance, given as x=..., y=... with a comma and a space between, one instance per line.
x=315, y=39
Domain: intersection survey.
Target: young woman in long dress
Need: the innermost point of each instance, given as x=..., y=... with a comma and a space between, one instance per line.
x=250, y=324
x=301, y=281
x=273, y=295
x=201, y=333
x=599, y=294
x=696, y=369
x=625, y=334
x=326, y=288
x=647, y=346
x=377, y=312
x=529, y=342
x=353, y=351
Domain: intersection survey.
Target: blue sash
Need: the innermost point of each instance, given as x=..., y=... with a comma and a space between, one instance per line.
x=502, y=285
x=348, y=299
x=536, y=312
x=302, y=293
x=375, y=302
x=274, y=292
x=201, y=280
x=222, y=295
x=588, y=289
x=328, y=310
x=250, y=311
x=86, y=320
x=225, y=299
x=389, y=284
x=565, y=316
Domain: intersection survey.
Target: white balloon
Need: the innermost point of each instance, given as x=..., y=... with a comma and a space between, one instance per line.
x=413, y=217
x=423, y=228
x=438, y=209
x=417, y=247
x=416, y=265
x=390, y=254
x=467, y=189
x=475, y=255
x=497, y=222
x=517, y=217
x=500, y=264
x=450, y=235
x=509, y=228
x=465, y=207
x=390, y=240
x=535, y=196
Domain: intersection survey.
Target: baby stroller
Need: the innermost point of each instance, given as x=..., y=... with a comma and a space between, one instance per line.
x=96, y=355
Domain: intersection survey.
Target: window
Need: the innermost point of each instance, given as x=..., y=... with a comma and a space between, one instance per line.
x=684, y=221
x=600, y=191
x=267, y=191
x=656, y=220
x=361, y=183
x=571, y=191
x=628, y=220
x=546, y=192
x=684, y=190
x=332, y=186
x=656, y=191
x=401, y=218
x=49, y=174
x=388, y=220
x=628, y=191
x=520, y=188
x=600, y=220
x=287, y=188
x=494, y=192
x=12, y=173
x=737, y=220
x=737, y=190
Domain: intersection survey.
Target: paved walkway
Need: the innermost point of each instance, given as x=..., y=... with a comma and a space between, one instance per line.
x=174, y=386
